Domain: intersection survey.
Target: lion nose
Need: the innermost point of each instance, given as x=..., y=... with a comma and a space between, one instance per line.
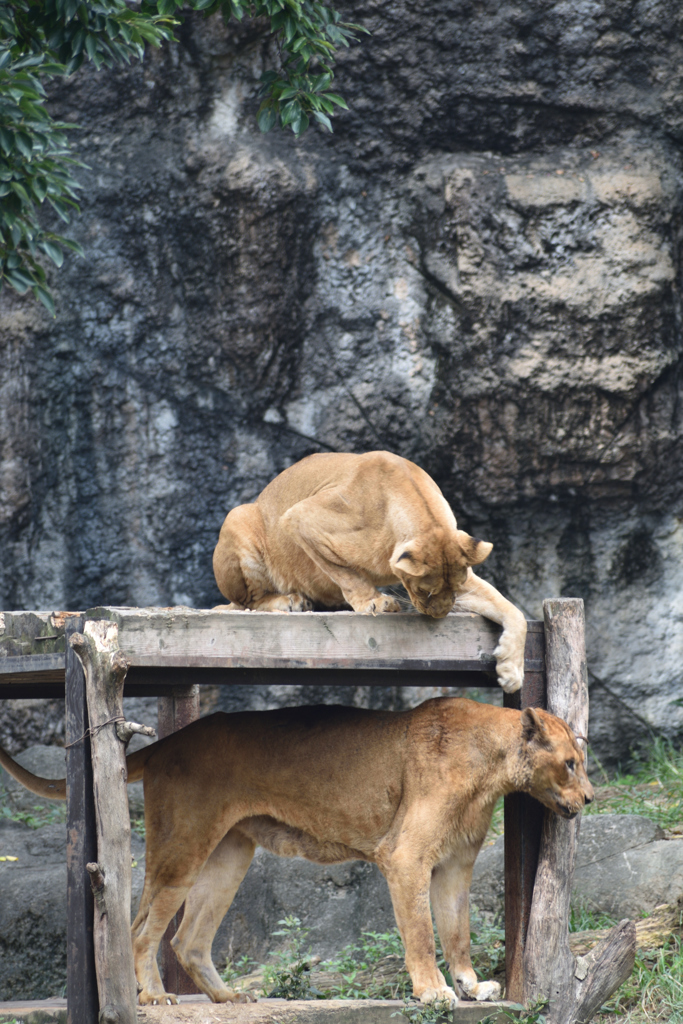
x=587, y=799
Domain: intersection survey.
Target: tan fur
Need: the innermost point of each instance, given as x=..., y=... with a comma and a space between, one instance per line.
x=412, y=792
x=333, y=528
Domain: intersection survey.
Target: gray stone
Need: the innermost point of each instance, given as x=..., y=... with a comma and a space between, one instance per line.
x=337, y=902
x=33, y=909
x=623, y=867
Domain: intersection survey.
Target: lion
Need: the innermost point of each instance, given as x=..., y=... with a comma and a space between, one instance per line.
x=331, y=529
x=410, y=791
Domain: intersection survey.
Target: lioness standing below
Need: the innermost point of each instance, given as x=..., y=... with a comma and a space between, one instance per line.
x=410, y=791
x=334, y=527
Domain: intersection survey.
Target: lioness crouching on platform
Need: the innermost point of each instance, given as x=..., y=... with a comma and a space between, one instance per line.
x=334, y=527
x=412, y=792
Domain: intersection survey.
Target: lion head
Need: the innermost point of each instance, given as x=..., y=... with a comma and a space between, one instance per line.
x=556, y=764
x=433, y=566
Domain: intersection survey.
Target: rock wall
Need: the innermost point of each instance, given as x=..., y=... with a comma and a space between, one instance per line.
x=479, y=270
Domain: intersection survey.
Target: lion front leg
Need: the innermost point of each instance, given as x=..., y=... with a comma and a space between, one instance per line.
x=450, y=896
x=480, y=597
x=408, y=881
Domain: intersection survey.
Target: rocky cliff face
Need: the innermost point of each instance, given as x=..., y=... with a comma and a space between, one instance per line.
x=479, y=270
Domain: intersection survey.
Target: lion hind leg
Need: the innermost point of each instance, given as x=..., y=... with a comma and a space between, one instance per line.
x=207, y=904
x=146, y=938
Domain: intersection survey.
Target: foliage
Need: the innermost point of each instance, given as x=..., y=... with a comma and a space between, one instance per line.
x=289, y=975
x=653, y=787
x=582, y=918
x=428, y=1013
x=137, y=825
x=40, y=39
x=654, y=992
x=359, y=967
x=235, y=969
x=38, y=816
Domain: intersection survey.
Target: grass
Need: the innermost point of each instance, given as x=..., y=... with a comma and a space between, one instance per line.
x=653, y=993
x=653, y=787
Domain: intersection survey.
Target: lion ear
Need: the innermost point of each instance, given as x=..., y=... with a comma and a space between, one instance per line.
x=533, y=729
x=406, y=558
x=474, y=550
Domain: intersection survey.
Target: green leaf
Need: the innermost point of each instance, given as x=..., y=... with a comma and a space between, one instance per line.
x=45, y=297
x=339, y=100
x=23, y=144
x=19, y=280
x=323, y=118
x=20, y=191
x=53, y=251
x=267, y=119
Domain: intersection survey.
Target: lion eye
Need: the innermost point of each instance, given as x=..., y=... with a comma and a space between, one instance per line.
x=571, y=764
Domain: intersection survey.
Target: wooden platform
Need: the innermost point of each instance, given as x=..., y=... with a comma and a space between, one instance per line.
x=198, y=1010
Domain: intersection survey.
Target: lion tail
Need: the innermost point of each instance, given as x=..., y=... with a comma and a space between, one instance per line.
x=55, y=789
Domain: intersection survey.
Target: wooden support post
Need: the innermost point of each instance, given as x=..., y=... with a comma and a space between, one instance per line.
x=573, y=990
x=81, y=846
x=105, y=670
x=523, y=821
x=175, y=713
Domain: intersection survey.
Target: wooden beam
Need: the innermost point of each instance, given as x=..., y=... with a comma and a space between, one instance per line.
x=225, y=639
x=105, y=670
x=81, y=846
x=523, y=817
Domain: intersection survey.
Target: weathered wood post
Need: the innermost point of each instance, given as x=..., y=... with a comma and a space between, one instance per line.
x=105, y=671
x=575, y=989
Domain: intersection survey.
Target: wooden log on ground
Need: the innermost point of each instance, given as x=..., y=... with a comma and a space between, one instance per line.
x=105, y=670
x=597, y=976
x=551, y=972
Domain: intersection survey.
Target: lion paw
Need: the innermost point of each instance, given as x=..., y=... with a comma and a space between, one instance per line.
x=377, y=605
x=146, y=998
x=482, y=991
x=438, y=996
x=509, y=664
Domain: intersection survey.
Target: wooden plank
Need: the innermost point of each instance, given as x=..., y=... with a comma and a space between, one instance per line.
x=523, y=817
x=81, y=847
x=34, y=668
x=175, y=712
x=221, y=639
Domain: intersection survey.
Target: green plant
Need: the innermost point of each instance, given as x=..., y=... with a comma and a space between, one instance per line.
x=289, y=975
x=235, y=969
x=583, y=918
x=38, y=816
x=653, y=787
x=137, y=825
x=427, y=1013
x=40, y=39
x=654, y=992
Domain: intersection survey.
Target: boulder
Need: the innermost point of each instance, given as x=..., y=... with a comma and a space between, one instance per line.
x=33, y=909
x=624, y=867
